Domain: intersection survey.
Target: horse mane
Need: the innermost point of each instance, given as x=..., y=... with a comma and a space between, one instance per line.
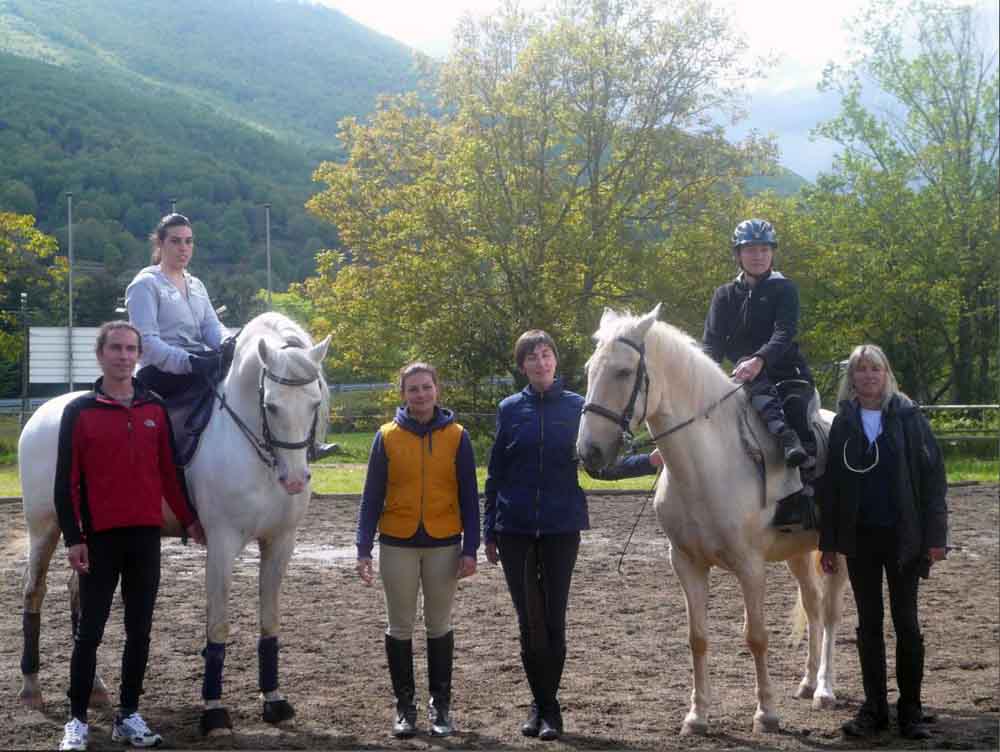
x=284, y=335
x=670, y=348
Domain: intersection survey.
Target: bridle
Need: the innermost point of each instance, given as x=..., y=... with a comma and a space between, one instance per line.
x=624, y=420
x=266, y=445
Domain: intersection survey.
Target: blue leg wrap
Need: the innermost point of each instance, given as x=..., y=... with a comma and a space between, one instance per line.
x=215, y=658
x=267, y=663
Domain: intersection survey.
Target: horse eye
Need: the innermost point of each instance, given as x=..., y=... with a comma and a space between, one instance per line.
x=270, y=407
x=623, y=373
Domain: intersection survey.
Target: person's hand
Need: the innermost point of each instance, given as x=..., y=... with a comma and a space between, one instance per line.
x=655, y=459
x=749, y=369
x=196, y=532
x=205, y=364
x=937, y=554
x=466, y=566
x=79, y=558
x=828, y=562
x=491, y=553
x=366, y=571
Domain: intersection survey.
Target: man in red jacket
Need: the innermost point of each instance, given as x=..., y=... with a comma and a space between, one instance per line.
x=116, y=463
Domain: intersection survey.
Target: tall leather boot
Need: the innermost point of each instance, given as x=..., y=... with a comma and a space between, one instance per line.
x=910, y=677
x=551, y=726
x=873, y=715
x=532, y=724
x=795, y=454
x=400, y=656
x=440, y=658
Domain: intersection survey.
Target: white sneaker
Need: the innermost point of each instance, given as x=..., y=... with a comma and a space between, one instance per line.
x=133, y=730
x=75, y=735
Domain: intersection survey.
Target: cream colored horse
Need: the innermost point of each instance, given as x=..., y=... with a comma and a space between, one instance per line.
x=713, y=507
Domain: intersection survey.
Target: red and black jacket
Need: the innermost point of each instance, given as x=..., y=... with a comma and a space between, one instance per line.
x=115, y=465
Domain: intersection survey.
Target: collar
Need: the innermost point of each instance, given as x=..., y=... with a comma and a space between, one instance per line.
x=553, y=392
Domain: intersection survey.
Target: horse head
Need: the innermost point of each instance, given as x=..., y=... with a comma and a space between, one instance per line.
x=617, y=387
x=291, y=392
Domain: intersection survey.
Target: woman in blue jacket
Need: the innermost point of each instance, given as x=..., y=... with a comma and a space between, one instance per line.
x=535, y=510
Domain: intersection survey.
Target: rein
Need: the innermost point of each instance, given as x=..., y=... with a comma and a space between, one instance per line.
x=265, y=446
x=624, y=419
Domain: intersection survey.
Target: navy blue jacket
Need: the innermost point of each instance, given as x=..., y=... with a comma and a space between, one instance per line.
x=745, y=321
x=532, y=487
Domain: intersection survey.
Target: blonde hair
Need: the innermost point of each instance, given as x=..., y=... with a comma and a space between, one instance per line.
x=872, y=354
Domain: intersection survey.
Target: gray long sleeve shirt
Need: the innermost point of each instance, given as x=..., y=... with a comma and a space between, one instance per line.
x=172, y=325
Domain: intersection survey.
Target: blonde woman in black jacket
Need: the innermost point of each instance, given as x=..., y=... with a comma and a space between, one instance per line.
x=884, y=509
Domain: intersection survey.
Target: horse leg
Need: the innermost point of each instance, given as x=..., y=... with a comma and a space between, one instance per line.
x=832, y=610
x=274, y=557
x=694, y=581
x=99, y=694
x=755, y=632
x=41, y=547
x=221, y=556
x=802, y=569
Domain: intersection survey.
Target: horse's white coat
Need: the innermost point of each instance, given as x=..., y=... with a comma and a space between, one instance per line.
x=709, y=500
x=238, y=497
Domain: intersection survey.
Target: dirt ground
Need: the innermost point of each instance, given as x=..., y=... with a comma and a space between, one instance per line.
x=627, y=681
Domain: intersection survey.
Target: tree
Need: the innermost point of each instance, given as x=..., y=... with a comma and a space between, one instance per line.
x=563, y=150
x=911, y=209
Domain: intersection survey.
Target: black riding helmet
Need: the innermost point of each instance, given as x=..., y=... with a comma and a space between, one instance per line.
x=754, y=232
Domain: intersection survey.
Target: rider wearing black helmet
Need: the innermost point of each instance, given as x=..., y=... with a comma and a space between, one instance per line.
x=753, y=321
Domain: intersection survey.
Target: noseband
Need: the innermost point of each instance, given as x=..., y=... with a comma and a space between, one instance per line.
x=624, y=420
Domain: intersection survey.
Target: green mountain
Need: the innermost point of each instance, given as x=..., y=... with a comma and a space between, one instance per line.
x=223, y=106
x=289, y=68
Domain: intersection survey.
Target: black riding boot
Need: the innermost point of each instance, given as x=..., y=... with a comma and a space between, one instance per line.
x=400, y=655
x=551, y=726
x=873, y=715
x=791, y=447
x=532, y=672
x=440, y=657
x=910, y=677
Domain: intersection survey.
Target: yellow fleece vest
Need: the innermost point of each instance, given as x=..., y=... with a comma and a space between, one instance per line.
x=422, y=482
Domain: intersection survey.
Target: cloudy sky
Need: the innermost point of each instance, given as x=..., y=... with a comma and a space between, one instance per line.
x=802, y=36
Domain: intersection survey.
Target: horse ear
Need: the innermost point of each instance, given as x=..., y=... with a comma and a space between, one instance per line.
x=264, y=352
x=607, y=318
x=318, y=351
x=647, y=321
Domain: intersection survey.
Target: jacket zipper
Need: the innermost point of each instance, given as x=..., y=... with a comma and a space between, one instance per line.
x=541, y=465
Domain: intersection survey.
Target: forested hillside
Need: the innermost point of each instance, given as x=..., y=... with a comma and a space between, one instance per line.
x=286, y=67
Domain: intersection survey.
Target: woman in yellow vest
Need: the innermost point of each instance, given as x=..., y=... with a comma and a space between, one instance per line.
x=421, y=494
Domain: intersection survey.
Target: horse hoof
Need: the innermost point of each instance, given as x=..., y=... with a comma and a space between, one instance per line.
x=32, y=700
x=276, y=711
x=805, y=692
x=766, y=724
x=824, y=701
x=216, y=722
x=694, y=728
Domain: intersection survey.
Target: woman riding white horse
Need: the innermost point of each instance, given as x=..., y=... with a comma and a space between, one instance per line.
x=249, y=481
x=717, y=506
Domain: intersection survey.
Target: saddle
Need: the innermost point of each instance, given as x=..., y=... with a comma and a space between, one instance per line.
x=189, y=411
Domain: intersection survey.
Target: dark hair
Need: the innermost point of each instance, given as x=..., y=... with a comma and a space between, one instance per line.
x=528, y=341
x=110, y=326
x=157, y=236
x=416, y=367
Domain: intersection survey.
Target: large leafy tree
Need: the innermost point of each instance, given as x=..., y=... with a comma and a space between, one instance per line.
x=909, y=226
x=566, y=150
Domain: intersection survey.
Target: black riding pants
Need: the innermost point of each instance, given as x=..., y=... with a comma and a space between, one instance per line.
x=538, y=573
x=782, y=404
x=877, y=552
x=133, y=555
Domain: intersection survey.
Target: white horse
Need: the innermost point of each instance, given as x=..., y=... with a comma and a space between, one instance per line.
x=248, y=480
x=711, y=501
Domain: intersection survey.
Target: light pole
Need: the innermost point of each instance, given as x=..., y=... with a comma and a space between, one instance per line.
x=267, y=249
x=69, y=323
